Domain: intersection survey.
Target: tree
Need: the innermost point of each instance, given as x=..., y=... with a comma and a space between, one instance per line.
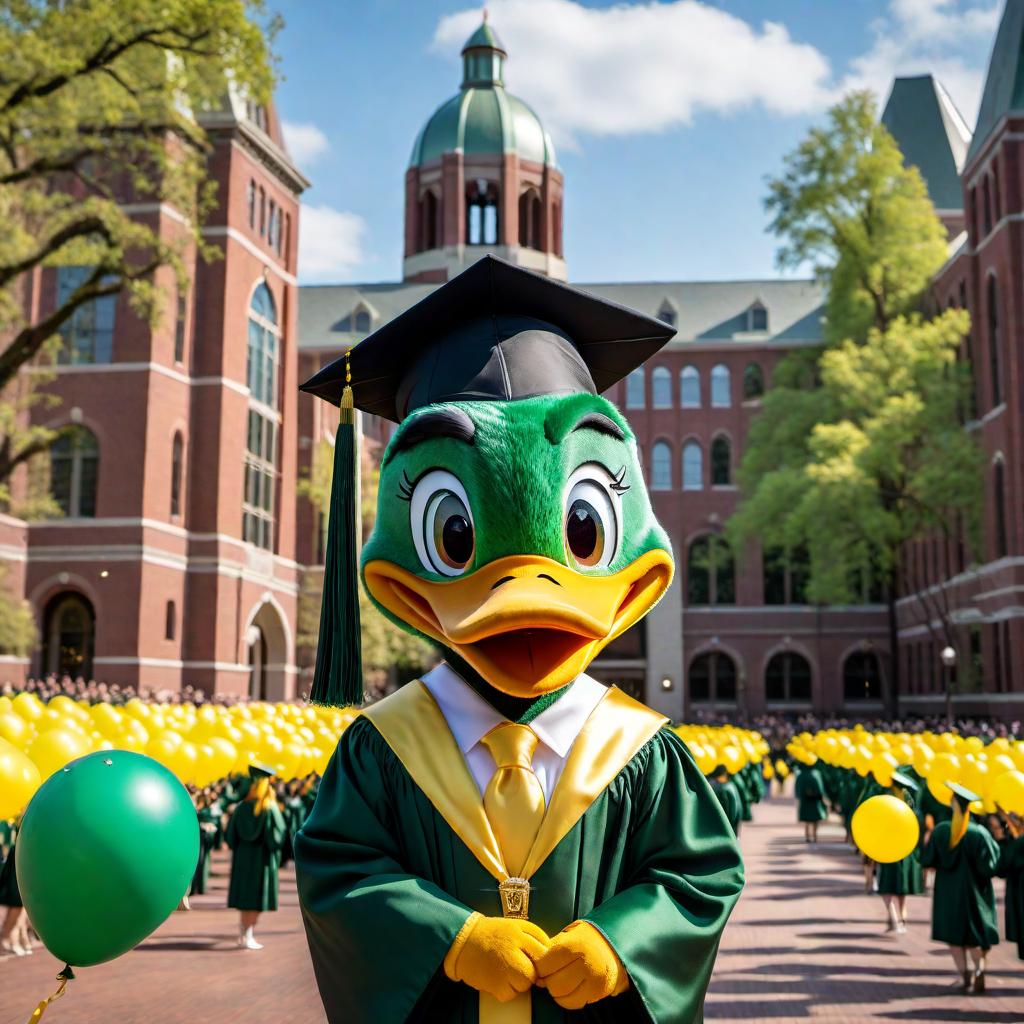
x=17, y=623
x=859, y=447
x=101, y=119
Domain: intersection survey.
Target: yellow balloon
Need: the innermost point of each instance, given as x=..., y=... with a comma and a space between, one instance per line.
x=19, y=779
x=944, y=768
x=885, y=829
x=14, y=728
x=1008, y=792
x=28, y=706
x=882, y=767
x=53, y=749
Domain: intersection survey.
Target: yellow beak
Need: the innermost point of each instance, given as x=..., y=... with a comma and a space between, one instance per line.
x=527, y=624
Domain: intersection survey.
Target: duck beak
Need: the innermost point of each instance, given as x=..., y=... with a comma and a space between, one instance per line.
x=529, y=625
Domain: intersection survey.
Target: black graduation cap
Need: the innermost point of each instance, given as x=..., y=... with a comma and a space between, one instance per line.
x=258, y=770
x=495, y=332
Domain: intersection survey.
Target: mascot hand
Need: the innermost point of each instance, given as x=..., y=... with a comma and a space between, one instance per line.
x=496, y=955
x=580, y=967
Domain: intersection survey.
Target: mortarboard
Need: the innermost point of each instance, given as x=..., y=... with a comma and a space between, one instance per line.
x=904, y=780
x=496, y=332
x=965, y=795
x=260, y=771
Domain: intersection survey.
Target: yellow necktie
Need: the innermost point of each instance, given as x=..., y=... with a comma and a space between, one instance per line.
x=514, y=798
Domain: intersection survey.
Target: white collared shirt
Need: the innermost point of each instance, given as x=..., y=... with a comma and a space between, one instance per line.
x=470, y=718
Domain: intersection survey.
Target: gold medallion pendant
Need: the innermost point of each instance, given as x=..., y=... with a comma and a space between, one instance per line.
x=515, y=898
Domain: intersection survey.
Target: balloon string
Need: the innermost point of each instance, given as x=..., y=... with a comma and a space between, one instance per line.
x=64, y=977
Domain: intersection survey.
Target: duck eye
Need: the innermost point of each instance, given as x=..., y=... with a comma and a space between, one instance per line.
x=442, y=525
x=591, y=519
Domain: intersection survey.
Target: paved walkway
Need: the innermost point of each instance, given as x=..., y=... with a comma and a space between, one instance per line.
x=805, y=943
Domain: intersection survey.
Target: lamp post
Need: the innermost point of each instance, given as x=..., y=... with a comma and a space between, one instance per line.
x=948, y=656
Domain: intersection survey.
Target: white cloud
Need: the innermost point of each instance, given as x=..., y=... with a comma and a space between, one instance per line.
x=330, y=243
x=644, y=67
x=305, y=142
x=946, y=38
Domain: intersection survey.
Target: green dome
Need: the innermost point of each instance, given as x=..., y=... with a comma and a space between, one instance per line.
x=483, y=118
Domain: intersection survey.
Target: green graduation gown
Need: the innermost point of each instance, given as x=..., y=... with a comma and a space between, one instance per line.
x=730, y=801
x=207, y=842
x=10, y=895
x=964, y=903
x=255, y=841
x=810, y=791
x=386, y=885
x=904, y=877
x=1011, y=867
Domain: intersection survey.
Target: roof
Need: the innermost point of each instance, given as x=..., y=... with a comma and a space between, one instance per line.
x=1004, y=86
x=931, y=134
x=707, y=311
x=484, y=37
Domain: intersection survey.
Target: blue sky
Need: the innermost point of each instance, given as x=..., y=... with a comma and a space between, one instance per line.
x=667, y=117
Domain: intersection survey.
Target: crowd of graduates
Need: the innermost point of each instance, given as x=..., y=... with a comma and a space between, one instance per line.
x=966, y=797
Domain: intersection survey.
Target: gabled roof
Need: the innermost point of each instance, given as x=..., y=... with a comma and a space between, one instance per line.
x=1004, y=86
x=931, y=134
x=707, y=311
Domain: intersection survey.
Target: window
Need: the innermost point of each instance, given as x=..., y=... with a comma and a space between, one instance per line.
x=363, y=322
x=753, y=382
x=710, y=572
x=720, y=387
x=689, y=387
x=74, y=468
x=430, y=210
x=862, y=677
x=556, y=227
x=482, y=213
x=994, y=355
x=261, y=435
x=661, y=388
x=272, y=224
x=251, y=203
x=758, y=317
x=785, y=575
x=713, y=678
x=179, y=328
x=286, y=237
x=530, y=220
x=999, y=501
x=88, y=334
x=693, y=467
x=788, y=678
x=667, y=314
x=177, y=446
x=635, y=389
x=170, y=621
x=986, y=205
x=661, y=467
x=997, y=201
x=721, y=462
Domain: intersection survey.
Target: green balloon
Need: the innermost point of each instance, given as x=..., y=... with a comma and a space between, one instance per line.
x=107, y=848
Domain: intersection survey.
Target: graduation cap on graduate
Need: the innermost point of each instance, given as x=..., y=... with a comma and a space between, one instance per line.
x=496, y=332
x=962, y=793
x=904, y=780
x=258, y=770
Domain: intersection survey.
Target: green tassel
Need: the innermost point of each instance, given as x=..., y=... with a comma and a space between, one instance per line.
x=338, y=676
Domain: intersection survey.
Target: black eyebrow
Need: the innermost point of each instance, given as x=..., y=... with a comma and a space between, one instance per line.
x=429, y=426
x=601, y=423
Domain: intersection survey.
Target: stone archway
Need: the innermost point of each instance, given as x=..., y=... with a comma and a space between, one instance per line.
x=266, y=642
x=69, y=635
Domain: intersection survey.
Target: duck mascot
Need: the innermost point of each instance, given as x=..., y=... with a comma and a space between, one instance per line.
x=506, y=840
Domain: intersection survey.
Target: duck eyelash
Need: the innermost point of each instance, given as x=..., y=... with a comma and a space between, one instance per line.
x=617, y=484
x=405, y=487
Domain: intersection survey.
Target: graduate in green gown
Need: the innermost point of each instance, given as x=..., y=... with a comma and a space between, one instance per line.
x=810, y=795
x=208, y=813
x=1011, y=867
x=965, y=858
x=14, y=935
x=902, y=878
x=726, y=791
x=506, y=839
x=255, y=833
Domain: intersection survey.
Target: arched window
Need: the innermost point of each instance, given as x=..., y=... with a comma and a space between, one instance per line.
x=177, y=446
x=667, y=313
x=74, y=470
x=720, y=387
x=429, y=210
x=530, y=218
x=713, y=679
x=661, y=467
x=753, y=381
x=69, y=631
x=786, y=575
x=994, y=354
x=999, y=501
x=693, y=467
x=482, y=213
x=721, y=462
x=862, y=677
x=170, y=621
x=635, y=389
x=264, y=420
x=787, y=678
x=661, y=388
x=689, y=387
x=710, y=572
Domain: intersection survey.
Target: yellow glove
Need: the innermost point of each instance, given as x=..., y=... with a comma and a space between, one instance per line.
x=580, y=967
x=495, y=955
